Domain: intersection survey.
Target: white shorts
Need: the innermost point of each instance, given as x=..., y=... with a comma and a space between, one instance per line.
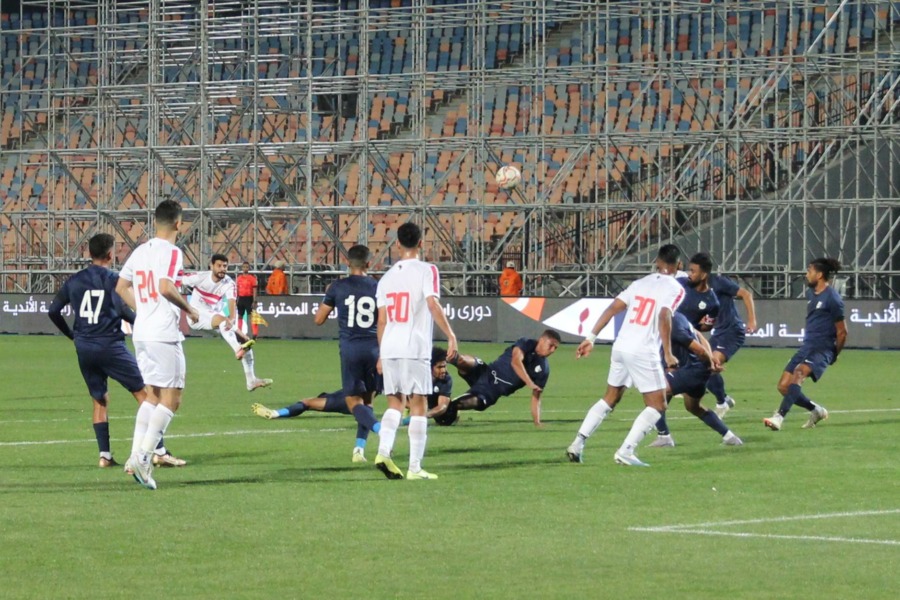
x=161, y=363
x=641, y=371
x=406, y=375
x=204, y=323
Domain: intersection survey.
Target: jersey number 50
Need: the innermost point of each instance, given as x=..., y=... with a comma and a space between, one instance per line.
x=398, y=307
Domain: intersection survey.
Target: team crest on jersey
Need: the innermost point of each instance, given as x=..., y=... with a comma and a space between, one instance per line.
x=819, y=304
x=435, y=389
x=702, y=305
x=537, y=369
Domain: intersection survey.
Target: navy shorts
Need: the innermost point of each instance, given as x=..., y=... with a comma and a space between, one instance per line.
x=816, y=360
x=101, y=361
x=335, y=403
x=359, y=373
x=728, y=342
x=471, y=377
x=690, y=380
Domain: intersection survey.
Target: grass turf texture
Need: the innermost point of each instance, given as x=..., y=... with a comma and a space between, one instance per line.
x=276, y=509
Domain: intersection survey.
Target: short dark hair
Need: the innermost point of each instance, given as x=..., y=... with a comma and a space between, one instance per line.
x=167, y=212
x=216, y=258
x=702, y=260
x=409, y=235
x=669, y=254
x=552, y=335
x=826, y=266
x=245, y=263
x=358, y=256
x=438, y=354
x=100, y=245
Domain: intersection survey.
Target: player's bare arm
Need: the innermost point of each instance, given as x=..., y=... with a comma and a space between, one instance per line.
x=442, y=403
x=585, y=347
x=665, y=335
x=536, y=407
x=322, y=314
x=437, y=313
x=126, y=291
x=518, y=365
x=841, y=331
x=168, y=291
x=746, y=297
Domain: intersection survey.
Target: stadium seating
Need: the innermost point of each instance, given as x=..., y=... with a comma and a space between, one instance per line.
x=689, y=104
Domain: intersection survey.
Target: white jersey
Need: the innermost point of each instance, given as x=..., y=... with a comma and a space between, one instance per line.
x=403, y=292
x=157, y=319
x=210, y=295
x=645, y=298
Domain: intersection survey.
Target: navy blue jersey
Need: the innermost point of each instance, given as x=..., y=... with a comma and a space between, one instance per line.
x=354, y=299
x=823, y=310
x=726, y=291
x=98, y=309
x=504, y=378
x=695, y=305
x=683, y=335
x=440, y=387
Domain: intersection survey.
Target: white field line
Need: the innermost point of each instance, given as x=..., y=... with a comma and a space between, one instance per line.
x=706, y=528
x=181, y=435
x=772, y=536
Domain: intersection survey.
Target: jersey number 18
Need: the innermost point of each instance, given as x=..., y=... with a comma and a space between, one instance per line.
x=360, y=313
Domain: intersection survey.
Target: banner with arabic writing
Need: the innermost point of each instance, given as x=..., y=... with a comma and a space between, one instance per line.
x=780, y=323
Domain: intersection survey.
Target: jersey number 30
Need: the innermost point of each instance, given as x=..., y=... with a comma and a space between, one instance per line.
x=91, y=310
x=643, y=310
x=360, y=313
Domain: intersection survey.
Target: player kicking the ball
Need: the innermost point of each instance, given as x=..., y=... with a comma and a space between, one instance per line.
x=212, y=289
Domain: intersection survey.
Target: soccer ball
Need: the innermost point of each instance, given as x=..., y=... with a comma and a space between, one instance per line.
x=508, y=177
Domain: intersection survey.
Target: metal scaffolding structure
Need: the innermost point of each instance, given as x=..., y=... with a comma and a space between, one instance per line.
x=257, y=115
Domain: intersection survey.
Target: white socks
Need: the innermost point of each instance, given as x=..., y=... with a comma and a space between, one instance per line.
x=418, y=428
x=593, y=419
x=159, y=421
x=145, y=410
x=247, y=363
x=389, y=424
x=229, y=336
x=642, y=426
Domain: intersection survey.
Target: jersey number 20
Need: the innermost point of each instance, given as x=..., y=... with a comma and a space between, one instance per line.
x=91, y=310
x=360, y=313
x=398, y=307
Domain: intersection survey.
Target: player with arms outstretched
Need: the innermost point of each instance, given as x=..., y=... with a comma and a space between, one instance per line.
x=524, y=364
x=408, y=306
x=824, y=338
x=650, y=302
x=212, y=290
x=354, y=298
x=149, y=283
x=100, y=342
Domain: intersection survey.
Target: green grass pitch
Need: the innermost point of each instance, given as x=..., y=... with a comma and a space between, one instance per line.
x=275, y=509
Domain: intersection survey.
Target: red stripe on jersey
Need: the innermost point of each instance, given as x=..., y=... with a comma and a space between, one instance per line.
x=211, y=298
x=172, y=263
x=434, y=278
x=678, y=299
